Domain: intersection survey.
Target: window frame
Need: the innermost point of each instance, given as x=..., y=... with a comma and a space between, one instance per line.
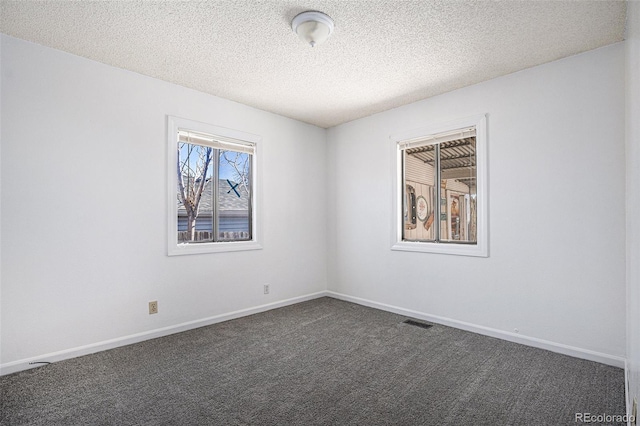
x=175, y=124
x=398, y=140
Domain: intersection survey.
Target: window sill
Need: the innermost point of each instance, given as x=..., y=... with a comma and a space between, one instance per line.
x=475, y=250
x=180, y=249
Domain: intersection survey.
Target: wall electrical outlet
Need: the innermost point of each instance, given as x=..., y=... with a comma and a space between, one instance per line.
x=153, y=307
x=266, y=289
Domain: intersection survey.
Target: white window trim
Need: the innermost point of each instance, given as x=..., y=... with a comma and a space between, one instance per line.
x=173, y=248
x=481, y=248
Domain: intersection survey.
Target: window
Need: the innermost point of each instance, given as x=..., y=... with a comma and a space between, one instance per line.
x=212, y=188
x=440, y=191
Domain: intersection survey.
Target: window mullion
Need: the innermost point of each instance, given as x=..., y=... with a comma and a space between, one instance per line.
x=438, y=201
x=250, y=207
x=215, y=201
x=403, y=189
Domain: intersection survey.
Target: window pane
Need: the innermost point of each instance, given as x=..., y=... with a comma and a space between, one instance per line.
x=440, y=197
x=458, y=216
x=195, y=193
x=201, y=216
x=234, y=196
x=212, y=171
x=419, y=193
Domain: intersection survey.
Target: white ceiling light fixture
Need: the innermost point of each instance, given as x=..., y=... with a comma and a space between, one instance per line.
x=312, y=27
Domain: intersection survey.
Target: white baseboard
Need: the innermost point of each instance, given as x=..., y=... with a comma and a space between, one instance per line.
x=25, y=364
x=587, y=354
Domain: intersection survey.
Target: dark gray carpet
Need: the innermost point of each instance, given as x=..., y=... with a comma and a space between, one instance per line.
x=323, y=362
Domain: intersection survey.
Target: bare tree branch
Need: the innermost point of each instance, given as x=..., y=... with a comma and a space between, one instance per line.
x=240, y=165
x=190, y=192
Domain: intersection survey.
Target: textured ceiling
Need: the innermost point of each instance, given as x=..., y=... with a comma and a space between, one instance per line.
x=382, y=54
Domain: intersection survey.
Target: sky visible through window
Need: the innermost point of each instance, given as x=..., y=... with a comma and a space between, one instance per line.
x=194, y=153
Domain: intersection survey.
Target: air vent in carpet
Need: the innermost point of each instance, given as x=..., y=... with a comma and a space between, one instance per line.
x=418, y=324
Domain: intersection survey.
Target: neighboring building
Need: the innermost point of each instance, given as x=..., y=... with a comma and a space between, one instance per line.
x=233, y=214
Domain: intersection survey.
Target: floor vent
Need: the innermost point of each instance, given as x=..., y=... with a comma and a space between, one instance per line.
x=418, y=324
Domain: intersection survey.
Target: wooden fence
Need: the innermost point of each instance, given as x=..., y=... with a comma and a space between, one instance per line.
x=202, y=236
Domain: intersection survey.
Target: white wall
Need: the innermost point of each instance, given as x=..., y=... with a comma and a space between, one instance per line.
x=556, y=269
x=84, y=207
x=633, y=197
x=0, y=203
